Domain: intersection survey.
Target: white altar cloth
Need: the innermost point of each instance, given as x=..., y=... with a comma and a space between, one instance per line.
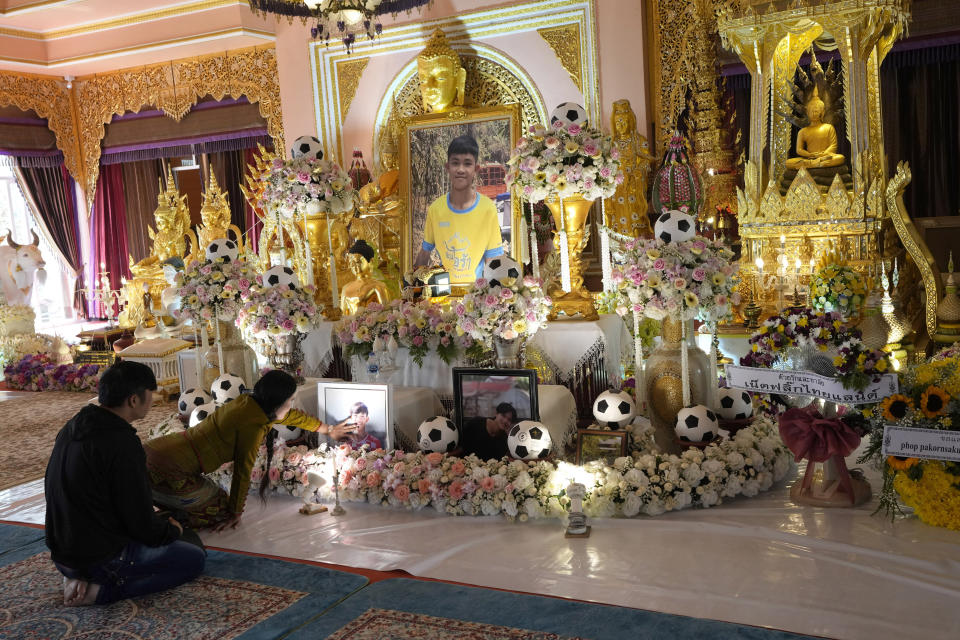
x=435, y=373
x=565, y=344
x=317, y=349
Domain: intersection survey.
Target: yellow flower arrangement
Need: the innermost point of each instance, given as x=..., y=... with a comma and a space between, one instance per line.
x=933, y=494
x=896, y=407
x=901, y=464
x=933, y=402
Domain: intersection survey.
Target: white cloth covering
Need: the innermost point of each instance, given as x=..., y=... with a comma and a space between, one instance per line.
x=564, y=344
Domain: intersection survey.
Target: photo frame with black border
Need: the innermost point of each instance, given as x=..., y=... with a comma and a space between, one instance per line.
x=477, y=392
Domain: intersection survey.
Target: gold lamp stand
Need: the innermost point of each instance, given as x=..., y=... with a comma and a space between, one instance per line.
x=572, y=219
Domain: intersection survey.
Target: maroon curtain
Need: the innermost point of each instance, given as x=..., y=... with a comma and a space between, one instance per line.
x=109, y=230
x=53, y=195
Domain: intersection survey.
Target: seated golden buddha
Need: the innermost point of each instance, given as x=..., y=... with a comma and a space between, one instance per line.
x=816, y=142
x=442, y=77
x=365, y=289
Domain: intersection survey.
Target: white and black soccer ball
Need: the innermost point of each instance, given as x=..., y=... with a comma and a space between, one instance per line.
x=696, y=424
x=286, y=433
x=307, y=146
x=674, y=226
x=567, y=114
x=222, y=249
x=226, y=388
x=529, y=440
x=735, y=404
x=191, y=399
x=438, y=434
x=502, y=271
x=614, y=409
x=281, y=276
x=199, y=414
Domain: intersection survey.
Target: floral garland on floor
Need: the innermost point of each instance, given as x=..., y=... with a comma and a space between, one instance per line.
x=855, y=363
x=16, y=347
x=929, y=398
x=642, y=483
x=40, y=372
x=419, y=325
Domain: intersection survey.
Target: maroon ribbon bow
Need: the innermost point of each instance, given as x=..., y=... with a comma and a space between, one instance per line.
x=809, y=435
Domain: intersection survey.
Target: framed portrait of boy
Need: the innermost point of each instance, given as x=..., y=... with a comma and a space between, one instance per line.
x=424, y=143
x=368, y=406
x=599, y=444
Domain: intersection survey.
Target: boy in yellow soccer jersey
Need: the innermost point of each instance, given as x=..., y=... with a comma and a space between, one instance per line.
x=462, y=225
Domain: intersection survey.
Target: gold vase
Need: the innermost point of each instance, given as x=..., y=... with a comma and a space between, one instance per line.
x=573, y=220
x=663, y=381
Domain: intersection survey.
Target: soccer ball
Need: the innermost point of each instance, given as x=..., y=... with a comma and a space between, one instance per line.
x=674, y=226
x=200, y=413
x=614, y=409
x=735, y=404
x=438, y=434
x=502, y=271
x=280, y=276
x=528, y=440
x=696, y=424
x=226, y=388
x=306, y=146
x=287, y=433
x=222, y=248
x=567, y=114
x=191, y=399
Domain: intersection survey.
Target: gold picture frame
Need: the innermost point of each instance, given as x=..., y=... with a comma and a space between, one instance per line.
x=423, y=144
x=599, y=444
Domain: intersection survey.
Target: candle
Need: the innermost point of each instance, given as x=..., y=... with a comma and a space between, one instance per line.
x=684, y=361
x=196, y=356
x=216, y=320
x=534, y=247
x=334, y=289
x=605, y=258
x=797, y=264
x=308, y=252
x=564, y=253
x=759, y=279
x=638, y=364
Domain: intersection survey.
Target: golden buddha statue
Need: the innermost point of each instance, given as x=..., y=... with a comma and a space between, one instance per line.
x=816, y=142
x=365, y=288
x=626, y=211
x=442, y=77
x=215, y=217
x=172, y=218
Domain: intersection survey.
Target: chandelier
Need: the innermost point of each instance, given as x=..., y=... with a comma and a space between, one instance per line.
x=342, y=20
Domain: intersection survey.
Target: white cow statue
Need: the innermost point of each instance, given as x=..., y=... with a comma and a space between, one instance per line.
x=20, y=264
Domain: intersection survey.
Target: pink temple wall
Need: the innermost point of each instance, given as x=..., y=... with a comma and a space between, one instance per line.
x=622, y=69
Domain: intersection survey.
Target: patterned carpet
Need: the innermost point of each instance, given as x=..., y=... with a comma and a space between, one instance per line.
x=206, y=609
x=376, y=624
x=29, y=426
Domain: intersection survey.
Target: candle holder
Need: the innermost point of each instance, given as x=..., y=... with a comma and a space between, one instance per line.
x=752, y=313
x=337, y=509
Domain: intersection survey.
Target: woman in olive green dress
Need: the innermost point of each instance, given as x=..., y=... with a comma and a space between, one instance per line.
x=233, y=433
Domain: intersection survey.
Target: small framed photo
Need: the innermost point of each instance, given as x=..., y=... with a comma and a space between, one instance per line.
x=598, y=444
x=368, y=406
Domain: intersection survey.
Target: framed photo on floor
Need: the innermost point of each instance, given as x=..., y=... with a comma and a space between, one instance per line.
x=368, y=405
x=478, y=393
x=598, y=444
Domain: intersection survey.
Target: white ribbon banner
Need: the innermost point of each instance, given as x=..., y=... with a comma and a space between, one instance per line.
x=807, y=383
x=909, y=442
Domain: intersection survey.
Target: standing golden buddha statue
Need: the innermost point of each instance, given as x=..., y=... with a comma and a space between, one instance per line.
x=442, y=77
x=626, y=210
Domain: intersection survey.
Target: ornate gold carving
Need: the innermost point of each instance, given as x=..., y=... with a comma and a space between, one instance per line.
x=50, y=99
x=913, y=243
x=803, y=197
x=174, y=88
x=565, y=42
x=348, y=79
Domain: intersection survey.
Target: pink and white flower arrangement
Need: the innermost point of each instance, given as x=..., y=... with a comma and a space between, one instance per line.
x=505, y=312
x=560, y=162
x=695, y=278
x=306, y=185
x=213, y=287
x=41, y=372
x=273, y=311
x=418, y=325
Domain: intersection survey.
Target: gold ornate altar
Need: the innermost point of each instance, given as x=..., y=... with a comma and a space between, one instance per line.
x=835, y=201
x=141, y=297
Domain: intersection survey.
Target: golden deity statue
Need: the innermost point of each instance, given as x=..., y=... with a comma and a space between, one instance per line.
x=442, y=77
x=626, y=211
x=365, y=288
x=215, y=216
x=172, y=218
x=816, y=142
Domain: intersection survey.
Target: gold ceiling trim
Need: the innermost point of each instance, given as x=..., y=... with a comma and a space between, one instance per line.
x=162, y=44
x=174, y=88
x=33, y=6
x=565, y=42
x=348, y=79
x=50, y=99
x=122, y=21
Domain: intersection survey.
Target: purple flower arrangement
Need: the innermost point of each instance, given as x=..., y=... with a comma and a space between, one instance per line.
x=38, y=372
